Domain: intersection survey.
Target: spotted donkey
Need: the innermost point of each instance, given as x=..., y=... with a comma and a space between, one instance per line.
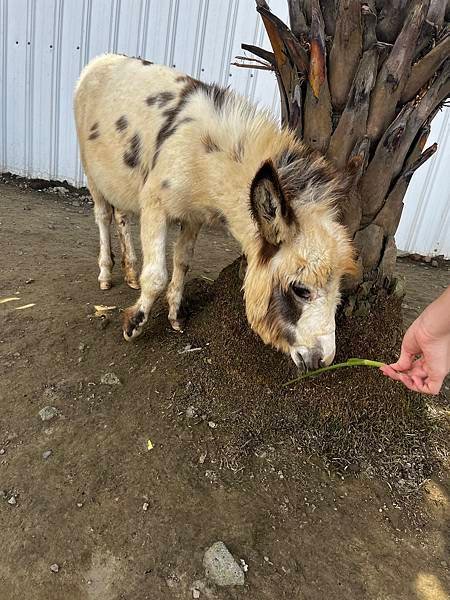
x=170, y=148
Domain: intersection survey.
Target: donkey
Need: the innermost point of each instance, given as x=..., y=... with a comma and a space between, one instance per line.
x=161, y=144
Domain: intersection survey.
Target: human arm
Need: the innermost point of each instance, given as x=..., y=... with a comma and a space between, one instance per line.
x=428, y=339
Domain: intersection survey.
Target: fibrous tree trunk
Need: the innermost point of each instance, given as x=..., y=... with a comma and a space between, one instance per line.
x=361, y=80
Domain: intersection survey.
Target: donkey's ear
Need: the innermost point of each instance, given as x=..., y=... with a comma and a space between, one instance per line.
x=269, y=206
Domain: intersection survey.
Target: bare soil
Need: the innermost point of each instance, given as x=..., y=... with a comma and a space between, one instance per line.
x=244, y=465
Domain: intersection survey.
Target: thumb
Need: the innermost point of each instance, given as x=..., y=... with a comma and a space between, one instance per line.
x=410, y=348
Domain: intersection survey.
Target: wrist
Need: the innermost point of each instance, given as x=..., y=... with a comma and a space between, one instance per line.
x=435, y=319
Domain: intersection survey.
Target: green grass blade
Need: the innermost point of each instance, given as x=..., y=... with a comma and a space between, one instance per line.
x=351, y=362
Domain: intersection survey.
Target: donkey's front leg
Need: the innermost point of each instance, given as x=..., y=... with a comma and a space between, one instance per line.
x=182, y=256
x=154, y=271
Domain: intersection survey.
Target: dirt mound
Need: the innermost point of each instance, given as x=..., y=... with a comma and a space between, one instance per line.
x=355, y=419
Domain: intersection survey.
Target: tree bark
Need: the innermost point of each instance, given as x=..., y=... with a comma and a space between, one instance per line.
x=368, y=103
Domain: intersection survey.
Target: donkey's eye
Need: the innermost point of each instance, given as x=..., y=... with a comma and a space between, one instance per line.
x=301, y=291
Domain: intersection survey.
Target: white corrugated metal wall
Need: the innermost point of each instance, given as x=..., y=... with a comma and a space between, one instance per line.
x=425, y=224
x=45, y=43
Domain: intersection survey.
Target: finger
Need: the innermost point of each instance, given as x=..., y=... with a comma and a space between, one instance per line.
x=404, y=362
x=408, y=382
x=433, y=385
x=418, y=381
x=390, y=372
x=408, y=351
x=418, y=371
x=387, y=370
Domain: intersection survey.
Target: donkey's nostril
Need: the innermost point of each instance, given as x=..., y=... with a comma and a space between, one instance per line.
x=315, y=359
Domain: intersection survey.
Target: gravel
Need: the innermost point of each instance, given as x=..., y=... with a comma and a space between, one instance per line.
x=191, y=412
x=220, y=566
x=47, y=454
x=48, y=412
x=12, y=501
x=110, y=379
x=54, y=568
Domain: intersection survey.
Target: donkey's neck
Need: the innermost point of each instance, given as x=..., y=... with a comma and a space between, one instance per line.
x=238, y=147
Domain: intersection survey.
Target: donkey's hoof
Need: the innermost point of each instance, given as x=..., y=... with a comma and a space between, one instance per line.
x=105, y=285
x=133, y=320
x=178, y=324
x=133, y=283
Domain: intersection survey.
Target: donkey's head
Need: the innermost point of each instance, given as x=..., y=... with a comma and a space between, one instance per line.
x=299, y=256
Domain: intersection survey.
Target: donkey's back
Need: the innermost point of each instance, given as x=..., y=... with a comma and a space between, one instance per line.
x=120, y=107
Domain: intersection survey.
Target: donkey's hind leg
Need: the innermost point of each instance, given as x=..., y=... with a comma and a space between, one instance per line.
x=182, y=257
x=103, y=215
x=129, y=261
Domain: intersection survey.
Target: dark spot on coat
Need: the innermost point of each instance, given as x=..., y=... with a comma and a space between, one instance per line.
x=160, y=99
x=267, y=251
x=182, y=78
x=121, y=123
x=209, y=144
x=283, y=313
x=131, y=156
x=94, y=126
x=218, y=95
x=170, y=124
x=94, y=135
x=165, y=184
x=145, y=174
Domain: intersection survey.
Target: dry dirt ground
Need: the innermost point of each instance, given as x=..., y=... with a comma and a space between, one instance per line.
x=315, y=537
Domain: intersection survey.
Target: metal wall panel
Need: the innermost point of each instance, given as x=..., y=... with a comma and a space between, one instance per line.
x=44, y=44
x=425, y=224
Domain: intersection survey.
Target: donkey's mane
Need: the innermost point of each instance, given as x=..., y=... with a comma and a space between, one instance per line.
x=246, y=131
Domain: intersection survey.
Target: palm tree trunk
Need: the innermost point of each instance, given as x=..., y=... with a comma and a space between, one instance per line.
x=361, y=80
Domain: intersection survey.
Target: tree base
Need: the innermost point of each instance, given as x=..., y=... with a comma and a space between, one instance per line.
x=354, y=419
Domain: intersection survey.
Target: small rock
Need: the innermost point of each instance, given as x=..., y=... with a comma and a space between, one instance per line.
x=190, y=412
x=29, y=281
x=60, y=190
x=195, y=594
x=2, y=451
x=47, y=454
x=54, y=568
x=212, y=424
x=172, y=581
x=145, y=506
x=244, y=565
x=103, y=322
x=110, y=379
x=12, y=501
x=79, y=504
x=220, y=566
x=434, y=263
x=48, y=412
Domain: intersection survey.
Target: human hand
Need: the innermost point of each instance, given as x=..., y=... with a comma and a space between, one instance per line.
x=431, y=345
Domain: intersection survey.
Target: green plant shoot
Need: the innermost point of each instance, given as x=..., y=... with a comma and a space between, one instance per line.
x=351, y=362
